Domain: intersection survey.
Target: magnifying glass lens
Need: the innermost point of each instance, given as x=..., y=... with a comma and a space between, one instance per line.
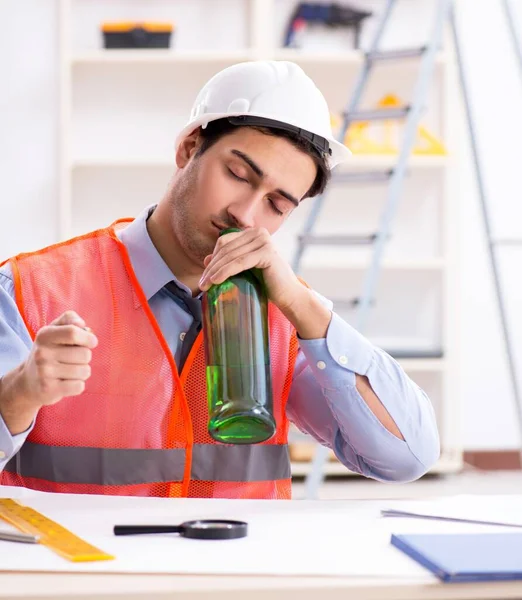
x=208, y=529
x=210, y=525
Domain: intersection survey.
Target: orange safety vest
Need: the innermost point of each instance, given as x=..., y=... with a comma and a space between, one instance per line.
x=140, y=427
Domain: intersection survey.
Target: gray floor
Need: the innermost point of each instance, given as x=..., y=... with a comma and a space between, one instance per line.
x=471, y=481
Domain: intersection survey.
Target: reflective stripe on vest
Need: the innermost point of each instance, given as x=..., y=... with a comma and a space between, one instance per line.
x=107, y=466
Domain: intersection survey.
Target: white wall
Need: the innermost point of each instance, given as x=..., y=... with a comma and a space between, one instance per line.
x=28, y=141
x=488, y=415
x=28, y=152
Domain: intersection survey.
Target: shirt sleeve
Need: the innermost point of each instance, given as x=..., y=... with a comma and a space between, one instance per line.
x=325, y=403
x=15, y=345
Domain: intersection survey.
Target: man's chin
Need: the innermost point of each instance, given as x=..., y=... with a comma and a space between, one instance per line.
x=200, y=247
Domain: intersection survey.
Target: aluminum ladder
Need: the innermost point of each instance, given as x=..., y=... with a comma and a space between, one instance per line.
x=394, y=178
x=444, y=10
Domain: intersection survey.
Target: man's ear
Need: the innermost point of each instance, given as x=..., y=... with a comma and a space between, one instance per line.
x=188, y=148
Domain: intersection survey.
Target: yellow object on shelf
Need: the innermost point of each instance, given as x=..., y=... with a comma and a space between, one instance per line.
x=305, y=451
x=51, y=534
x=360, y=142
x=126, y=26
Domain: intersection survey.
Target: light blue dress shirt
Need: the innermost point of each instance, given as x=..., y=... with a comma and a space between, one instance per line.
x=323, y=399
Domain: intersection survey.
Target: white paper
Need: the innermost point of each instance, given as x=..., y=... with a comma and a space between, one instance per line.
x=323, y=538
x=285, y=538
x=499, y=509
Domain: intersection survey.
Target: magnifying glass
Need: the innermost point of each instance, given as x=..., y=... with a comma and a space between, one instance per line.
x=204, y=529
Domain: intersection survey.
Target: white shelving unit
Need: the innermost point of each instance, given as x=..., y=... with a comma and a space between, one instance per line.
x=121, y=110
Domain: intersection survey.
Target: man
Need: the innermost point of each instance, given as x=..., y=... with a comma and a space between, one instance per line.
x=102, y=368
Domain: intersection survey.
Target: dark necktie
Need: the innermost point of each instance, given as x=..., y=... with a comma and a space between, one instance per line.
x=193, y=306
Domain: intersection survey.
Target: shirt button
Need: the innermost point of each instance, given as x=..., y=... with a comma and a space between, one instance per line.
x=321, y=365
x=343, y=360
x=182, y=335
x=2, y=454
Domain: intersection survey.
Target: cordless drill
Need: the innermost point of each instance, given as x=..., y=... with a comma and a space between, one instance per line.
x=331, y=15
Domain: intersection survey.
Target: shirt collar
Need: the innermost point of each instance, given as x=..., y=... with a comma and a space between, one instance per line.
x=150, y=269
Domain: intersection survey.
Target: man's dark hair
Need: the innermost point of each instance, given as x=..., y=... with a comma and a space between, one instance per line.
x=215, y=130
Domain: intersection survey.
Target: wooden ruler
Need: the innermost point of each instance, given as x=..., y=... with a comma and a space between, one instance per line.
x=51, y=534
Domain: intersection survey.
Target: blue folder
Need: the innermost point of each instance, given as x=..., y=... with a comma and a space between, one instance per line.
x=466, y=557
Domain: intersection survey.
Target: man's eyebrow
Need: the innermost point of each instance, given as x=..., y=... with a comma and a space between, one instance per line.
x=288, y=196
x=256, y=168
x=259, y=172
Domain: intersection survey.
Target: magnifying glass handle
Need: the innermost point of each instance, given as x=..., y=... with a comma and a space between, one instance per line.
x=139, y=529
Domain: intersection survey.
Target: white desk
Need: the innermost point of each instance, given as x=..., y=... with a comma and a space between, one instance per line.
x=408, y=584
x=166, y=587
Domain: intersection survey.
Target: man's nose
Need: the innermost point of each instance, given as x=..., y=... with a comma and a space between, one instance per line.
x=242, y=212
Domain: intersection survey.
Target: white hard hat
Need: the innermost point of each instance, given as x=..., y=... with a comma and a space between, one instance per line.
x=271, y=93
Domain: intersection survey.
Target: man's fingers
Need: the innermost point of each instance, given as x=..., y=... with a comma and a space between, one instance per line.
x=70, y=388
x=242, y=263
x=240, y=257
x=226, y=256
x=68, y=372
x=67, y=335
x=236, y=240
x=241, y=242
x=229, y=238
x=236, y=243
x=69, y=318
x=73, y=355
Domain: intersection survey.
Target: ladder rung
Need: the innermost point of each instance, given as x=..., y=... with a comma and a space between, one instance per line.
x=352, y=303
x=396, y=54
x=379, y=114
x=406, y=353
x=357, y=301
x=337, y=240
x=508, y=242
x=362, y=177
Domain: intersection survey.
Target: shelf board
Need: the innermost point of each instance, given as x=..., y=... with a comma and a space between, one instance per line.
x=338, y=58
x=422, y=365
x=350, y=57
x=428, y=264
x=171, y=55
x=158, y=56
x=446, y=464
x=388, y=161
x=355, y=162
x=138, y=162
x=301, y=469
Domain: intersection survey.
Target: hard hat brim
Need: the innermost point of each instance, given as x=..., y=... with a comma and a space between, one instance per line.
x=340, y=153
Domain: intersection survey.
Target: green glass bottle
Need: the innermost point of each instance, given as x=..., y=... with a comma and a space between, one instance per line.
x=239, y=386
